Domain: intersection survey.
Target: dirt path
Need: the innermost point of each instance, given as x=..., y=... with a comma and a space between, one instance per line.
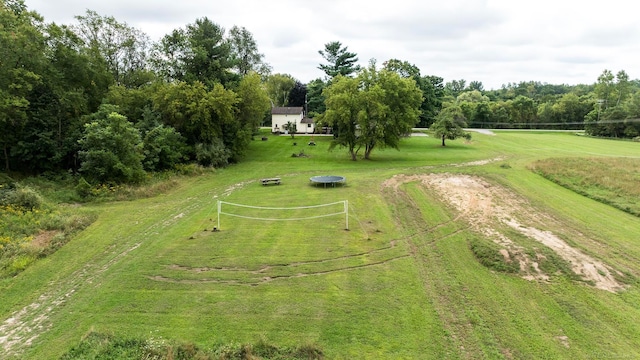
x=486, y=206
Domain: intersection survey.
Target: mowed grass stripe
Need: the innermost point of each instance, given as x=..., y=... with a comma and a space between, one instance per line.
x=425, y=297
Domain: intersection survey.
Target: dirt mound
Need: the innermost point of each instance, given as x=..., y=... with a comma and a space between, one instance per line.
x=486, y=207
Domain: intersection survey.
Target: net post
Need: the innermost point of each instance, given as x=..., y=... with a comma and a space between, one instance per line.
x=219, y=208
x=346, y=211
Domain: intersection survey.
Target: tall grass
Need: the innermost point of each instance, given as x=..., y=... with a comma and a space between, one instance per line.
x=613, y=181
x=109, y=347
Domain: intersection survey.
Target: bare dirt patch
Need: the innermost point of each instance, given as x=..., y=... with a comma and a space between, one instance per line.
x=486, y=206
x=43, y=239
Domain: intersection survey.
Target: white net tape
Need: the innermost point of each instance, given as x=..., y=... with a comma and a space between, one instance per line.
x=344, y=209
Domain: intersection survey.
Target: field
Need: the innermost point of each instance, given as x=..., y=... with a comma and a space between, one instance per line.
x=461, y=252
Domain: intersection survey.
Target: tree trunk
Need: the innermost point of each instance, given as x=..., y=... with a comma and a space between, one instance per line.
x=443, y=140
x=6, y=159
x=367, y=152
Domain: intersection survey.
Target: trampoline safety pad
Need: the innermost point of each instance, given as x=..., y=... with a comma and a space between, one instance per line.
x=325, y=180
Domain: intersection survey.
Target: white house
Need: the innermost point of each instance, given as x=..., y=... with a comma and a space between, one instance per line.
x=280, y=116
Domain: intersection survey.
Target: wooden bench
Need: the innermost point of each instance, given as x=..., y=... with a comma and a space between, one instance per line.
x=270, y=180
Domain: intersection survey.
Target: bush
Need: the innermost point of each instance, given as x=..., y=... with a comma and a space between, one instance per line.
x=20, y=263
x=214, y=154
x=189, y=169
x=163, y=148
x=83, y=188
x=112, y=150
x=23, y=197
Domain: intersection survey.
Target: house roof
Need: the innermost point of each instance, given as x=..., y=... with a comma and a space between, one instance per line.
x=286, y=110
x=307, y=120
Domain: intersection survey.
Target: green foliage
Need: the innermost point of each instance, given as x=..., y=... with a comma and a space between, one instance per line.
x=374, y=110
x=315, y=99
x=21, y=61
x=196, y=53
x=197, y=113
x=340, y=61
x=133, y=103
x=278, y=87
x=163, y=148
x=291, y=127
x=83, y=188
x=112, y=151
x=449, y=124
x=244, y=51
x=122, y=47
x=253, y=103
x=214, y=154
x=97, y=346
x=29, y=230
x=22, y=197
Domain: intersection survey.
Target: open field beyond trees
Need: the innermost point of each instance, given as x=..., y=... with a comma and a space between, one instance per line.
x=457, y=252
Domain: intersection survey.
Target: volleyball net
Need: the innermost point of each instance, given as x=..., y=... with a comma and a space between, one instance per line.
x=294, y=213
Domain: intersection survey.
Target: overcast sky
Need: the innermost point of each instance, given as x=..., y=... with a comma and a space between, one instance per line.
x=492, y=41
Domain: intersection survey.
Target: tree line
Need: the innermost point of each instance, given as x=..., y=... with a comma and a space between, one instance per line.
x=98, y=97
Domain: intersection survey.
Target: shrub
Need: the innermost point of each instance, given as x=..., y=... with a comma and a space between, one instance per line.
x=189, y=169
x=20, y=263
x=23, y=197
x=83, y=188
x=163, y=148
x=214, y=154
x=112, y=150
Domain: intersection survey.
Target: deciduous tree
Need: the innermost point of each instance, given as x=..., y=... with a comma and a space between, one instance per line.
x=244, y=51
x=449, y=124
x=111, y=149
x=374, y=110
x=21, y=61
x=278, y=87
x=431, y=87
x=125, y=49
x=315, y=99
x=198, y=52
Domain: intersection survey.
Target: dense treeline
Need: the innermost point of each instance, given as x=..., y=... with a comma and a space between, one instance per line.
x=99, y=98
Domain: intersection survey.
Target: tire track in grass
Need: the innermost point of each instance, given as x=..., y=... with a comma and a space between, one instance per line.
x=19, y=331
x=23, y=326
x=426, y=256
x=267, y=279
x=265, y=272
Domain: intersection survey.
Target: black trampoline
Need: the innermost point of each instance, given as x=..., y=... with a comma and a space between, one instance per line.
x=325, y=180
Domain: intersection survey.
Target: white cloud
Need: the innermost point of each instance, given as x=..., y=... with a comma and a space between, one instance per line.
x=493, y=41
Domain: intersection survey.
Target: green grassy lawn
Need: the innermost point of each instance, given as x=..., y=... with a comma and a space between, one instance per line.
x=402, y=282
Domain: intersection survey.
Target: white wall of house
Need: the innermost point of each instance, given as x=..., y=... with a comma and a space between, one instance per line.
x=305, y=128
x=279, y=120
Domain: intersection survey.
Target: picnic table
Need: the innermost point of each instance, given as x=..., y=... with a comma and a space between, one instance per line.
x=267, y=181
